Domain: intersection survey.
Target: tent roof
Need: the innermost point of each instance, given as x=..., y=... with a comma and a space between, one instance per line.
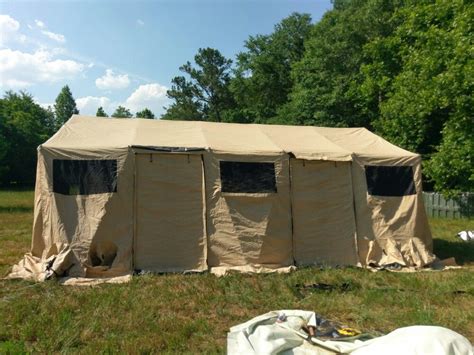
x=84, y=132
x=363, y=142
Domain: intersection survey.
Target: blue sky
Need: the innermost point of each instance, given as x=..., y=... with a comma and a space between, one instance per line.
x=114, y=53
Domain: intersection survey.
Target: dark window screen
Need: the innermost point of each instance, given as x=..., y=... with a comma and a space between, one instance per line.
x=390, y=180
x=247, y=177
x=84, y=177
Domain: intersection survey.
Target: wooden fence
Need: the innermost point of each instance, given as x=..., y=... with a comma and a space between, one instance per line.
x=437, y=206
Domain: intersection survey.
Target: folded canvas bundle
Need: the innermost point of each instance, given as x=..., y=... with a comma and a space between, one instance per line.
x=282, y=332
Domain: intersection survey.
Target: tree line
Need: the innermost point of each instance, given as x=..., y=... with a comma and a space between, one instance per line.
x=401, y=68
x=24, y=125
x=123, y=112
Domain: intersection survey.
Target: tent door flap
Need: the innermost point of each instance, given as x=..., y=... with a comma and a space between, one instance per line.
x=169, y=232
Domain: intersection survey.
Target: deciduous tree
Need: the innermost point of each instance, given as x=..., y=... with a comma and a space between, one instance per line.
x=327, y=80
x=24, y=125
x=262, y=77
x=433, y=87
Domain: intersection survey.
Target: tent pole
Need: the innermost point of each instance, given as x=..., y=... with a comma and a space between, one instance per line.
x=204, y=205
x=135, y=167
x=291, y=211
x=354, y=209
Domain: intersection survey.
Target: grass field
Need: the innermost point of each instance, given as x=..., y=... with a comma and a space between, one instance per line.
x=192, y=313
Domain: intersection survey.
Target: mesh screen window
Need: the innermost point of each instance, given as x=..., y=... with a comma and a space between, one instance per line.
x=84, y=177
x=246, y=177
x=390, y=180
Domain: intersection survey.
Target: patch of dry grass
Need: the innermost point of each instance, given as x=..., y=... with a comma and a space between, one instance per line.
x=192, y=313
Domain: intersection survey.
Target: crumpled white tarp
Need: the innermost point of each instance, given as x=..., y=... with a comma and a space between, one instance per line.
x=418, y=340
x=86, y=281
x=57, y=266
x=35, y=268
x=264, y=335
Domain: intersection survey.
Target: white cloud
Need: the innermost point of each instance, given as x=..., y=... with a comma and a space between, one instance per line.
x=15, y=83
x=20, y=69
x=40, y=24
x=111, y=81
x=152, y=96
x=8, y=24
x=51, y=35
x=9, y=28
x=54, y=36
x=88, y=105
x=140, y=22
x=44, y=105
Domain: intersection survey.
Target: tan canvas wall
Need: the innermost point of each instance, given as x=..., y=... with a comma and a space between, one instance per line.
x=391, y=228
x=252, y=231
x=40, y=222
x=323, y=213
x=170, y=232
x=87, y=223
x=251, y=228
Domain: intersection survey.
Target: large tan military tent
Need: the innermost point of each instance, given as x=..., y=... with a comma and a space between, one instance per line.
x=117, y=195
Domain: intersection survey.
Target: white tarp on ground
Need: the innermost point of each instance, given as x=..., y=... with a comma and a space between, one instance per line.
x=264, y=335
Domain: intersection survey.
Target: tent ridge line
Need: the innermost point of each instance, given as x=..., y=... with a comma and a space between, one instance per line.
x=170, y=149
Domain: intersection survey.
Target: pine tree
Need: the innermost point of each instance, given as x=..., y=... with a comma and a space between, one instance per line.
x=64, y=107
x=122, y=112
x=101, y=113
x=145, y=113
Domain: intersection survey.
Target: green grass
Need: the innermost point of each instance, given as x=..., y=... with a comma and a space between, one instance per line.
x=192, y=313
x=16, y=219
x=16, y=201
x=445, y=242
